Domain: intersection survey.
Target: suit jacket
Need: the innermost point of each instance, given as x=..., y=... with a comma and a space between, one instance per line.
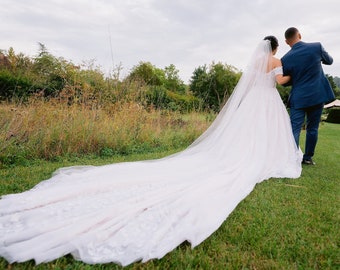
x=309, y=83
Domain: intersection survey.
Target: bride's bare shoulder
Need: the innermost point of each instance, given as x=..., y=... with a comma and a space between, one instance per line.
x=276, y=62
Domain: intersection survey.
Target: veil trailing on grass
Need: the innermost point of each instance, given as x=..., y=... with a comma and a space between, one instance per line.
x=131, y=211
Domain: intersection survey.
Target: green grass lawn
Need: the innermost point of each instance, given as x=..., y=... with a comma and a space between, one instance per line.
x=282, y=224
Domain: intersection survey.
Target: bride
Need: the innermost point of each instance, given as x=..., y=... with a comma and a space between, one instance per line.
x=131, y=211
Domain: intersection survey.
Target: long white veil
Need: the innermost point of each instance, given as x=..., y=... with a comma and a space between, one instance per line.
x=255, y=74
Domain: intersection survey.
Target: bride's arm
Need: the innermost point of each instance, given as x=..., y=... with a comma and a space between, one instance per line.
x=280, y=79
x=278, y=71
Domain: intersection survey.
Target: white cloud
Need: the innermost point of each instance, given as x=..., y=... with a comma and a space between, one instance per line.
x=184, y=33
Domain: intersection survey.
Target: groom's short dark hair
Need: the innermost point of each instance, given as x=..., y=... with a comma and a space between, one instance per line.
x=291, y=32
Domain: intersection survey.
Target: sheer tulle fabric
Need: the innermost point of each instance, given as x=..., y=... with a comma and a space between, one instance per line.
x=133, y=211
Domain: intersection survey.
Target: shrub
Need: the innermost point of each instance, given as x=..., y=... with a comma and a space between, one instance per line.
x=12, y=86
x=333, y=115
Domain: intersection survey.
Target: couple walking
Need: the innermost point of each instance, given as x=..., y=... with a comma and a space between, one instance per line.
x=133, y=211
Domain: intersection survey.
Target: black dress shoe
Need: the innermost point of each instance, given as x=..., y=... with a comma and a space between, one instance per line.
x=308, y=162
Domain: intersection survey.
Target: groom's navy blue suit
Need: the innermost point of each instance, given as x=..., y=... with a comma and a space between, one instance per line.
x=310, y=89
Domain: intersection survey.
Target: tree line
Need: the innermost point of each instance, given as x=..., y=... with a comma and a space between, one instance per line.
x=51, y=77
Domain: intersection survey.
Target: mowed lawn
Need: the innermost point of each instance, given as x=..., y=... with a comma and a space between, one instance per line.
x=282, y=224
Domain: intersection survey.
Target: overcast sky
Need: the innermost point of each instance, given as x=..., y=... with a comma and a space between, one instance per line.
x=186, y=33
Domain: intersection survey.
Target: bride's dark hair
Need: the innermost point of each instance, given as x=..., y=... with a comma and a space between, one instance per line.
x=273, y=42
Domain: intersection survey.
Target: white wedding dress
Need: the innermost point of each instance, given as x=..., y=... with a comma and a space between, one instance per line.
x=132, y=211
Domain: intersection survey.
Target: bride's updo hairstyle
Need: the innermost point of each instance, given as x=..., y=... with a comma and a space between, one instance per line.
x=273, y=42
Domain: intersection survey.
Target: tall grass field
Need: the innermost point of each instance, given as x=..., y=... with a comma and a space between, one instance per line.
x=52, y=130
x=282, y=224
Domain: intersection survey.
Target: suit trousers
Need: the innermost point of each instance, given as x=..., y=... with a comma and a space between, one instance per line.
x=312, y=115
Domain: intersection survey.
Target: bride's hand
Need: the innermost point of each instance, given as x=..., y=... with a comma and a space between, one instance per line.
x=280, y=79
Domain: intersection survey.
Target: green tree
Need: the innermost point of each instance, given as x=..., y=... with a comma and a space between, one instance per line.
x=334, y=86
x=173, y=81
x=147, y=73
x=337, y=81
x=331, y=81
x=15, y=79
x=49, y=72
x=215, y=84
x=93, y=85
x=20, y=64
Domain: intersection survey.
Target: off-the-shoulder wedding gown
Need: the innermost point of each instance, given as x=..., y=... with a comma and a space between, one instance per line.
x=133, y=211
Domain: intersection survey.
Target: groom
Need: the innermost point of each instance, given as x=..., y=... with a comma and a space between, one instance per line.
x=310, y=87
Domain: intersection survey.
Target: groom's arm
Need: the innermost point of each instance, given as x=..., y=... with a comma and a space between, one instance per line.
x=326, y=59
